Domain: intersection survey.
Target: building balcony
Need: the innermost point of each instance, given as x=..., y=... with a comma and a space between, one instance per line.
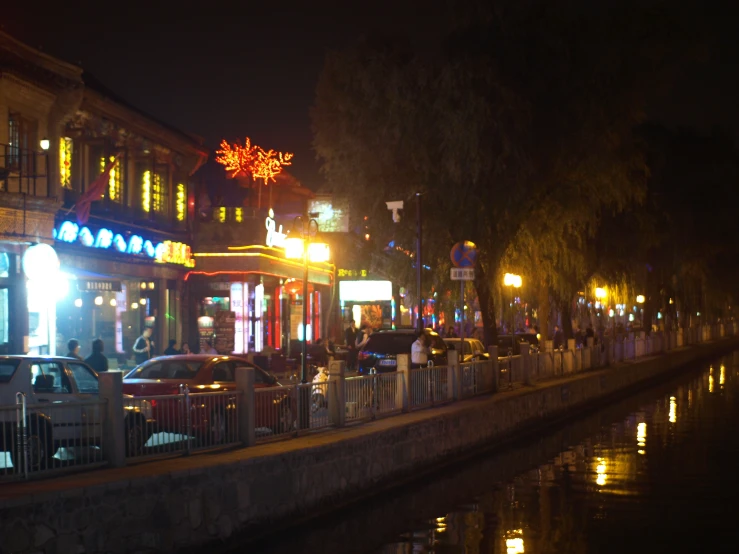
x=24, y=171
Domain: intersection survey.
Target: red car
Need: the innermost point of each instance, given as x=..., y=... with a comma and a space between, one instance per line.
x=211, y=417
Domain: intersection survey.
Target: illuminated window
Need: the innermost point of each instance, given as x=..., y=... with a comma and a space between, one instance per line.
x=65, y=162
x=181, y=203
x=115, y=188
x=152, y=192
x=221, y=215
x=239, y=215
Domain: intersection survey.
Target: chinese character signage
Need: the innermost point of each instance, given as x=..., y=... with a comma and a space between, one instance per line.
x=352, y=273
x=94, y=285
x=132, y=245
x=462, y=274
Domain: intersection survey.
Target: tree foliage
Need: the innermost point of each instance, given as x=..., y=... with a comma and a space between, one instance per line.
x=517, y=127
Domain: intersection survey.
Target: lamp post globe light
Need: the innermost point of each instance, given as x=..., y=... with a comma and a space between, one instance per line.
x=514, y=282
x=305, y=246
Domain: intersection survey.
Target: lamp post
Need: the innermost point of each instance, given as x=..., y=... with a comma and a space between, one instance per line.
x=305, y=247
x=640, y=300
x=514, y=282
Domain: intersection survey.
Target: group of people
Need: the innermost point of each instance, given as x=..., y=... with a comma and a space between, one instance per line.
x=355, y=339
x=143, y=350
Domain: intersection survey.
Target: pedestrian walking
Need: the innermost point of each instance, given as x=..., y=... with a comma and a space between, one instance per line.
x=143, y=346
x=208, y=348
x=420, y=351
x=350, y=337
x=73, y=347
x=97, y=359
x=171, y=350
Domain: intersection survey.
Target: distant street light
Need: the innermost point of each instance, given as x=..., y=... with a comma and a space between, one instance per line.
x=305, y=247
x=514, y=282
x=640, y=299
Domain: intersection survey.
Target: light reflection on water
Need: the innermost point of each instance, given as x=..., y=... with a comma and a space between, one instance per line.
x=615, y=491
x=651, y=473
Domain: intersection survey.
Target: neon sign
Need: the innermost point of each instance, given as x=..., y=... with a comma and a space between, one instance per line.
x=275, y=238
x=167, y=252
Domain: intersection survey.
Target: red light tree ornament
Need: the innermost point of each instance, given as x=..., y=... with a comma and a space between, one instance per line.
x=253, y=161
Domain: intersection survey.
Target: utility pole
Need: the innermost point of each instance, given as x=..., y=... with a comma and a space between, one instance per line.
x=419, y=263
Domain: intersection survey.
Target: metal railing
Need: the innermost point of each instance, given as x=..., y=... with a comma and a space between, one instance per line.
x=473, y=378
x=41, y=438
x=181, y=423
x=429, y=386
x=24, y=171
x=372, y=396
x=48, y=438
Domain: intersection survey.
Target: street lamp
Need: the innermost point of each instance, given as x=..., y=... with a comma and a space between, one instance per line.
x=640, y=300
x=514, y=281
x=306, y=247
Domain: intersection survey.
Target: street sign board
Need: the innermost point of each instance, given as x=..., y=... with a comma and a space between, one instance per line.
x=463, y=274
x=464, y=254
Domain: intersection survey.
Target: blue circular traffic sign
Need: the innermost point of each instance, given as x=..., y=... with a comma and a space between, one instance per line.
x=464, y=254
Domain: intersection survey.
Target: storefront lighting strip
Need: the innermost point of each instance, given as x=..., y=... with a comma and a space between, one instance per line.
x=215, y=273
x=260, y=255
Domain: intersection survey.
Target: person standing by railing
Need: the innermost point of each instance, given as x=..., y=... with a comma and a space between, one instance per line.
x=97, y=359
x=420, y=351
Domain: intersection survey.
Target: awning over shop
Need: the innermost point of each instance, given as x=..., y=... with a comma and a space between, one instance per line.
x=260, y=260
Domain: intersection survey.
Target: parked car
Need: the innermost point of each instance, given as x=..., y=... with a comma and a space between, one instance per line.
x=505, y=343
x=473, y=349
x=383, y=347
x=48, y=381
x=165, y=375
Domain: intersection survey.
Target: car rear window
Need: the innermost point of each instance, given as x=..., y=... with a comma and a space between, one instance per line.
x=170, y=369
x=390, y=343
x=7, y=369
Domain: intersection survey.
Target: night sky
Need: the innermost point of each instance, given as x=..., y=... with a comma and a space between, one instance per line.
x=230, y=70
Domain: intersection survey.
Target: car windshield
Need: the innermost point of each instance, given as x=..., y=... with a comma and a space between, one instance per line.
x=390, y=343
x=7, y=369
x=167, y=369
x=455, y=345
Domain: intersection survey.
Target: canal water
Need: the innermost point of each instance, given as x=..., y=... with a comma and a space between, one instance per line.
x=656, y=472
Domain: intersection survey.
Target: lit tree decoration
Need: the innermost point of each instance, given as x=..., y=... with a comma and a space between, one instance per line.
x=237, y=159
x=253, y=160
x=269, y=164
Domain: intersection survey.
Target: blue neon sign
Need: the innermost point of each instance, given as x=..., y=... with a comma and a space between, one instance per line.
x=105, y=239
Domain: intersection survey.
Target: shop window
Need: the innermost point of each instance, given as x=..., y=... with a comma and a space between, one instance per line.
x=153, y=193
x=95, y=153
x=21, y=141
x=181, y=202
x=86, y=381
x=4, y=321
x=115, y=180
x=66, y=152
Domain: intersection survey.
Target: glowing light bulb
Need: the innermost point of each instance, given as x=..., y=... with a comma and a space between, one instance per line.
x=78, y=302
x=98, y=300
x=113, y=302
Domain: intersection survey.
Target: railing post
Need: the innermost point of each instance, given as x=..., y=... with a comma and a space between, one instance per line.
x=337, y=402
x=454, y=375
x=21, y=446
x=404, y=385
x=245, y=377
x=114, y=431
x=185, y=392
x=495, y=377
x=526, y=362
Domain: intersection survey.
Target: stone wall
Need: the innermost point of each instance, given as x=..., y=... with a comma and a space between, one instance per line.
x=194, y=501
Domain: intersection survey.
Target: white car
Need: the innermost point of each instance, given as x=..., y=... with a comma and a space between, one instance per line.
x=60, y=414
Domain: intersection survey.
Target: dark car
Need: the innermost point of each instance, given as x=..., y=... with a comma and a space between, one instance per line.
x=383, y=347
x=505, y=343
x=473, y=349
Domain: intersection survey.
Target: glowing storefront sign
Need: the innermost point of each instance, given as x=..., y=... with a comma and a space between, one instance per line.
x=168, y=252
x=275, y=238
